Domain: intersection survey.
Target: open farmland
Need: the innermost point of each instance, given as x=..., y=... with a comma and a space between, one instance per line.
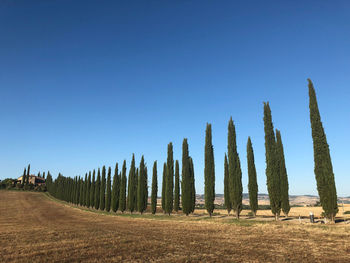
x=34, y=228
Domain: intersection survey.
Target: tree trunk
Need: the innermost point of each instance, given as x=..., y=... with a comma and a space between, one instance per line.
x=277, y=217
x=237, y=213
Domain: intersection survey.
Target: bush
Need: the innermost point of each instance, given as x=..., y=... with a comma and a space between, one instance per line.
x=347, y=213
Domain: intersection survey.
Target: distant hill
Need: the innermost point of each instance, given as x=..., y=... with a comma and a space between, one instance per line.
x=263, y=199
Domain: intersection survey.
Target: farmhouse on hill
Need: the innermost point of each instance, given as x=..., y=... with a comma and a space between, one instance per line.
x=33, y=179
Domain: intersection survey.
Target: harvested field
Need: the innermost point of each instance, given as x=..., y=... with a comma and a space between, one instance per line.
x=34, y=228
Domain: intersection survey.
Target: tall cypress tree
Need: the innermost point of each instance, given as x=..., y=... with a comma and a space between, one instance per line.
x=193, y=188
x=136, y=187
x=235, y=172
x=272, y=163
x=186, y=188
x=322, y=159
x=164, y=186
x=169, y=186
x=92, y=190
x=24, y=176
x=81, y=191
x=44, y=175
x=88, y=201
x=28, y=174
x=84, y=190
x=142, y=192
x=115, y=189
x=97, y=190
x=252, y=183
x=131, y=186
x=227, y=199
x=108, y=190
x=103, y=189
x=177, y=187
x=122, y=195
x=209, y=172
x=282, y=174
x=154, y=189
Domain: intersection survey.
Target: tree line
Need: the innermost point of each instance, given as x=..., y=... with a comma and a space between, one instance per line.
x=99, y=191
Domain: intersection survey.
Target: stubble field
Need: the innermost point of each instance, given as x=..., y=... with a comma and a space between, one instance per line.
x=34, y=228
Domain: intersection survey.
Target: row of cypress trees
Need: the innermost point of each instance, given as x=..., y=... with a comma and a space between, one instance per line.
x=100, y=194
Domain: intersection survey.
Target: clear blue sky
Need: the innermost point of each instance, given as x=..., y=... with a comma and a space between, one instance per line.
x=87, y=83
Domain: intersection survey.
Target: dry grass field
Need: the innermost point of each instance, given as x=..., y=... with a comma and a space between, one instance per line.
x=34, y=228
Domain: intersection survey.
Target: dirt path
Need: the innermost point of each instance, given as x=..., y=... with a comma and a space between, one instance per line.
x=36, y=229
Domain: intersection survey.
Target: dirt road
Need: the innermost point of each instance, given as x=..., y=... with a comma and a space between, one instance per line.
x=34, y=228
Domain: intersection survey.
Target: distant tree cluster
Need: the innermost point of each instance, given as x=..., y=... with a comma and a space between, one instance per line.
x=178, y=190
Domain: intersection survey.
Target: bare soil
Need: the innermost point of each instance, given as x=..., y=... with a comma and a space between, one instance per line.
x=34, y=228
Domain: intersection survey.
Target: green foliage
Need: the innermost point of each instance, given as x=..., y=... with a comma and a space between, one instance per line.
x=235, y=173
x=84, y=190
x=142, y=189
x=108, y=191
x=177, y=187
x=209, y=171
x=88, y=189
x=81, y=191
x=322, y=159
x=252, y=182
x=186, y=187
x=131, y=186
x=28, y=174
x=192, y=184
x=169, y=186
x=282, y=174
x=163, y=186
x=97, y=190
x=103, y=189
x=115, y=189
x=272, y=163
x=122, y=195
x=92, y=190
x=154, y=189
x=227, y=198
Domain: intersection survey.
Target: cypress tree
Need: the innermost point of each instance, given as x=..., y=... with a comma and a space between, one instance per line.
x=163, y=187
x=322, y=159
x=209, y=171
x=193, y=189
x=252, y=183
x=97, y=190
x=282, y=174
x=235, y=173
x=103, y=189
x=131, y=186
x=169, y=186
x=186, y=188
x=136, y=187
x=154, y=189
x=177, y=187
x=115, y=189
x=85, y=190
x=227, y=187
x=142, y=194
x=122, y=195
x=92, y=190
x=272, y=173
x=44, y=175
x=88, y=189
x=108, y=195
x=81, y=192
x=28, y=174
x=24, y=176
